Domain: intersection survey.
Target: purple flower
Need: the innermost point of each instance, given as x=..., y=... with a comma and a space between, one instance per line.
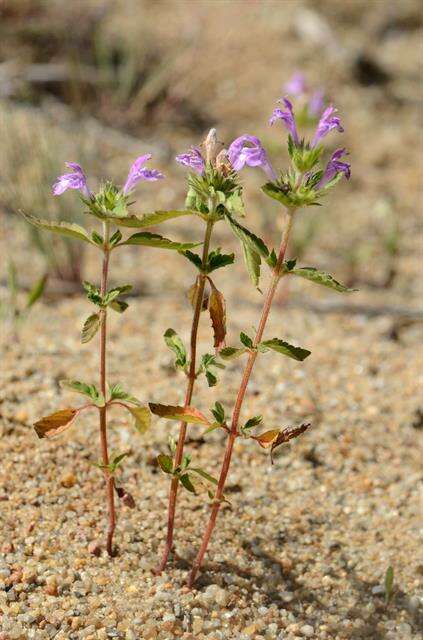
x=288, y=119
x=333, y=167
x=138, y=172
x=192, y=159
x=316, y=103
x=327, y=122
x=74, y=180
x=296, y=86
x=248, y=150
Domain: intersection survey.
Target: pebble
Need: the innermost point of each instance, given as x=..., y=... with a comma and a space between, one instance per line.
x=307, y=631
x=68, y=480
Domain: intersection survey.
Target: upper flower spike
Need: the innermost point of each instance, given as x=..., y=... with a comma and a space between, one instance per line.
x=296, y=86
x=74, y=180
x=248, y=150
x=192, y=159
x=333, y=167
x=327, y=122
x=288, y=119
x=138, y=172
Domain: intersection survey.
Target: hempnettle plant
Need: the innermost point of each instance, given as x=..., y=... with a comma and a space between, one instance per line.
x=111, y=206
x=303, y=184
x=214, y=195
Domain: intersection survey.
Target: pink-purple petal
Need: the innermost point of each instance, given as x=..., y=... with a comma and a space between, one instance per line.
x=74, y=180
x=248, y=150
x=192, y=159
x=138, y=172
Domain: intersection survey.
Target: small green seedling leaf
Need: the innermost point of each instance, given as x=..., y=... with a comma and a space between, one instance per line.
x=155, y=240
x=296, y=353
x=218, y=412
x=116, y=392
x=55, y=423
x=90, y=327
x=36, y=292
x=97, y=238
x=185, y=414
x=194, y=258
x=246, y=340
x=320, y=277
x=175, y=343
x=115, y=238
x=117, y=461
x=186, y=483
x=217, y=260
x=208, y=362
x=165, y=463
x=85, y=389
x=389, y=584
x=231, y=353
x=253, y=422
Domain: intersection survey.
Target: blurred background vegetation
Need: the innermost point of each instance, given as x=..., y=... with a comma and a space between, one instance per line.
x=102, y=81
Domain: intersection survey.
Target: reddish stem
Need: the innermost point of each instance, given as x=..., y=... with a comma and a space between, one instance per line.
x=188, y=397
x=103, y=410
x=238, y=405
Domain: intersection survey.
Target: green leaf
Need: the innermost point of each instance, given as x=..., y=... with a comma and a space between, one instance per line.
x=211, y=378
x=320, y=277
x=116, y=238
x=165, y=463
x=116, y=392
x=119, y=305
x=389, y=584
x=175, y=343
x=186, y=414
x=97, y=238
x=117, y=461
x=253, y=248
x=218, y=412
x=154, y=240
x=114, y=293
x=217, y=260
x=203, y=474
x=90, y=327
x=37, y=291
x=272, y=259
x=151, y=219
x=253, y=422
x=186, y=482
x=207, y=362
x=142, y=418
x=246, y=340
x=297, y=353
x=85, y=389
x=194, y=258
x=69, y=229
x=231, y=353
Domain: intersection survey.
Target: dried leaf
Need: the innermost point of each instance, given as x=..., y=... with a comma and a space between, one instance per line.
x=187, y=414
x=55, y=423
x=217, y=310
x=267, y=438
x=142, y=418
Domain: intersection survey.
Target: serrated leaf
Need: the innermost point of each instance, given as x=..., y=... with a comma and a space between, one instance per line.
x=155, y=240
x=218, y=260
x=193, y=257
x=36, y=292
x=90, y=327
x=175, y=343
x=85, y=389
x=253, y=422
x=142, y=418
x=165, y=463
x=231, y=353
x=252, y=261
x=119, y=305
x=296, y=353
x=211, y=378
x=114, y=293
x=217, y=310
x=186, y=483
x=253, y=248
x=116, y=392
x=246, y=340
x=56, y=423
x=186, y=414
x=151, y=219
x=69, y=229
x=320, y=277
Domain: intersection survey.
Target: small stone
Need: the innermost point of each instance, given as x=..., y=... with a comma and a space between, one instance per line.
x=51, y=586
x=68, y=480
x=307, y=631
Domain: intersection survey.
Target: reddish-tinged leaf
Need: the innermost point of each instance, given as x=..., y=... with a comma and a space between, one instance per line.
x=187, y=414
x=56, y=423
x=276, y=437
x=217, y=310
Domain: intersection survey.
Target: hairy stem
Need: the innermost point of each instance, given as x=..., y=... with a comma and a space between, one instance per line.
x=238, y=404
x=103, y=410
x=188, y=396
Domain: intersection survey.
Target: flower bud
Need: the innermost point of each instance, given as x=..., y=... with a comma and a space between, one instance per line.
x=212, y=146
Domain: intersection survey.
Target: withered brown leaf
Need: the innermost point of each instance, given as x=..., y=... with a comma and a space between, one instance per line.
x=55, y=423
x=217, y=310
